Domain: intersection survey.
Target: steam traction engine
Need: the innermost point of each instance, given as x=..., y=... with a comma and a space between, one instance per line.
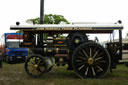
x=86, y=57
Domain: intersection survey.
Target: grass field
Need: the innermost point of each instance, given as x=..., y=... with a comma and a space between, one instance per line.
x=14, y=74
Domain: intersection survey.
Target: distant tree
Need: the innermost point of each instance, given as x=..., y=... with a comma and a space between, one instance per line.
x=49, y=19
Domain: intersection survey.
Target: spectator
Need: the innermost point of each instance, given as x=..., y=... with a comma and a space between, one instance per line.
x=1, y=59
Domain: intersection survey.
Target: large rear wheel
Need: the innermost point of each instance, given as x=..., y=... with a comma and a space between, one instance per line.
x=90, y=60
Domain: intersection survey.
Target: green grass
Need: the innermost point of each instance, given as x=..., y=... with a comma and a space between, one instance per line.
x=14, y=74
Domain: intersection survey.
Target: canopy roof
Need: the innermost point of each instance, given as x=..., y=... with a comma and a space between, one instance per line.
x=88, y=28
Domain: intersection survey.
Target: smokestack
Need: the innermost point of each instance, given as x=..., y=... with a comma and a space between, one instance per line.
x=42, y=12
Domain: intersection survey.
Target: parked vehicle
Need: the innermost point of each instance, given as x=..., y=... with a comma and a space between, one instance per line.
x=10, y=47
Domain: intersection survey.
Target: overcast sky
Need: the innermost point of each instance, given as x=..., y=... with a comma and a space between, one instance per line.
x=73, y=10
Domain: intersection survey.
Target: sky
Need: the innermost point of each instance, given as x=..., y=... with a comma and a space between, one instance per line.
x=99, y=11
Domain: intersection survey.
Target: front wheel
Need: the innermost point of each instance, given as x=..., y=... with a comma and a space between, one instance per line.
x=35, y=66
x=90, y=60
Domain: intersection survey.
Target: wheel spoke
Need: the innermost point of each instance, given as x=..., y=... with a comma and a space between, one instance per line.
x=82, y=58
x=85, y=54
x=36, y=72
x=86, y=72
x=80, y=63
x=99, y=68
x=79, y=60
x=95, y=54
x=32, y=62
x=102, y=61
x=81, y=54
x=81, y=67
x=90, y=52
x=29, y=65
x=30, y=68
x=100, y=54
x=41, y=69
x=38, y=61
x=93, y=71
x=98, y=58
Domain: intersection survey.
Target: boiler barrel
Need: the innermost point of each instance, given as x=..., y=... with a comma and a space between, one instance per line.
x=53, y=51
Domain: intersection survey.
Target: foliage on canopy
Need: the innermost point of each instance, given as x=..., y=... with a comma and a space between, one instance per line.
x=49, y=19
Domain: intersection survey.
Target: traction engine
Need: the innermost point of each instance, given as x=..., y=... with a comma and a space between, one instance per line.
x=86, y=57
